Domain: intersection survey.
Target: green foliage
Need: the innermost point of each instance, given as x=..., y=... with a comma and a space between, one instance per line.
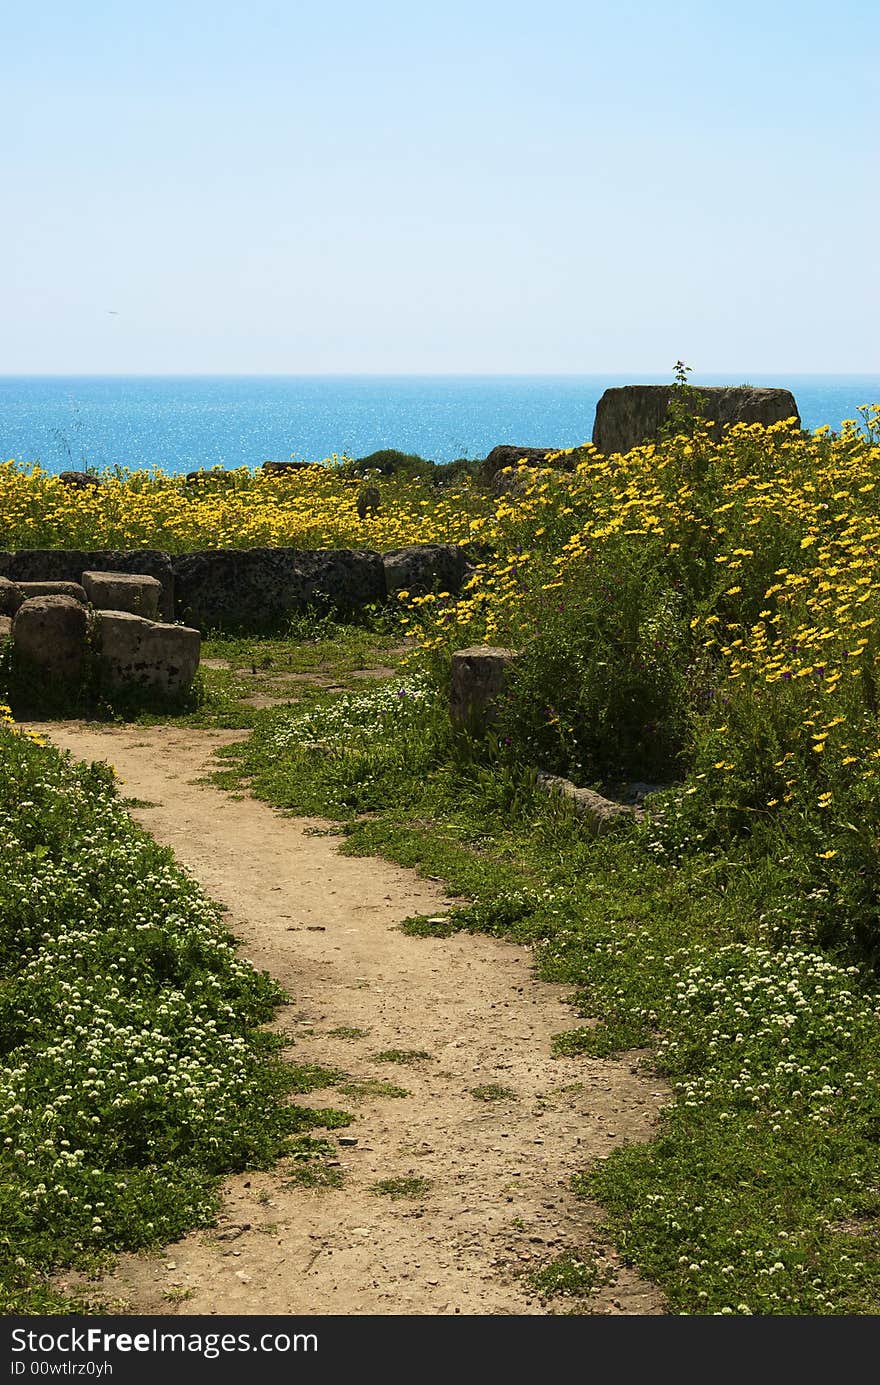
x=402, y=1055
x=685, y=408
x=362, y=1088
x=569, y=1275
x=599, y=693
x=389, y=462
x=398, y=1188
x=492, y=1091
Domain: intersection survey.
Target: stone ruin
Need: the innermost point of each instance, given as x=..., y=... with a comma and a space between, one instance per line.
x=629, y=415
x=480, y=678
x=56, y=627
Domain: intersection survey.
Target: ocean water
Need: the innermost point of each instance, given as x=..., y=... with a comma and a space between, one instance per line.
x=183, y=423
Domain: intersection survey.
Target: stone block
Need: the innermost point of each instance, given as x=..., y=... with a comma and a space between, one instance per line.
x=49, y=634
x=507, y=455
x=480, y=675
x=286, y=468
x=5, y=627
x=424, y=567
x=72, y=589
x=258, y=588
x=134, y=592
x=81, y=480
x=598, y=813
x=629, y=415
x=135, y=654
x=10, y=597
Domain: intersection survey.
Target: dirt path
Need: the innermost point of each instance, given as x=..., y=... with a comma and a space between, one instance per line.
x=498, y=1204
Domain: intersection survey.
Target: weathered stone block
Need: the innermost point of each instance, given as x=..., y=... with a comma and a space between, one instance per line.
x=630, y=415
x=216, y=476
x=68, y=565
x=597, y=812
x=423, y=567
x=124, y=591
x=286, y=468
x=72, y=589
x=135, y=653
x=10, y=597
x=506, y=455
x=5, y=627
x=480, y=675
x=49, y=633
x=82, y=480
x=257, y=588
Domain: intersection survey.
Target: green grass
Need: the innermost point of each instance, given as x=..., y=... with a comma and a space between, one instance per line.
x=492, y=1091
x=362, y=1088
x=569, y=1275
x=402, y=1055
x=399, y=1188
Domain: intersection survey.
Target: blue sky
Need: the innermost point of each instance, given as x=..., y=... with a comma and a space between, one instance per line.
x=483, y=187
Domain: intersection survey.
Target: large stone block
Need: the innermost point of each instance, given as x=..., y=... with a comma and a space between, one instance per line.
x=29, y=589
x=10, y=597
x=138, y=654
x=422, y=567
x=597, y=812
x=134, y=592
x=81, y=480
x=68, y=565
x=286, y=468
x=257, y=588
x=480, y=675
x=629, y=415
x=49, y=633
x=507, y=455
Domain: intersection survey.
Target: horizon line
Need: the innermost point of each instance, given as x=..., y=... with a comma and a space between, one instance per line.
x=411, y=375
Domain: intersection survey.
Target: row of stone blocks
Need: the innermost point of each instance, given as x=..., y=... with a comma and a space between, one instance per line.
x=254, y=588
x=54, y=625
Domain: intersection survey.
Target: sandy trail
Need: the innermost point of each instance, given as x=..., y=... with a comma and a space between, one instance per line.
x=499, y=1203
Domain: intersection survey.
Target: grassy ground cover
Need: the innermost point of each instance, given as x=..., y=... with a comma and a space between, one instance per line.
x=133, y=1071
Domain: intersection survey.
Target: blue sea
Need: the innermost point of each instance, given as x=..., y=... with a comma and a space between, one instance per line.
x=183, y=423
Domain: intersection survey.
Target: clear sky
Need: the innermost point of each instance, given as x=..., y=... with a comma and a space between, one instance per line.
x=275, y=186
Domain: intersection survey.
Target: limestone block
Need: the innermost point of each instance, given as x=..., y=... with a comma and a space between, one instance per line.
x=256, y=588
x=422, y=567
x=506, y=455
x=479, y=677
x=72, y=589
x=10, y=597
x=124, y=591
x=81, y=480
x=49, y=633
x=139, y=654
x=598, y=813
x=629, y=415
